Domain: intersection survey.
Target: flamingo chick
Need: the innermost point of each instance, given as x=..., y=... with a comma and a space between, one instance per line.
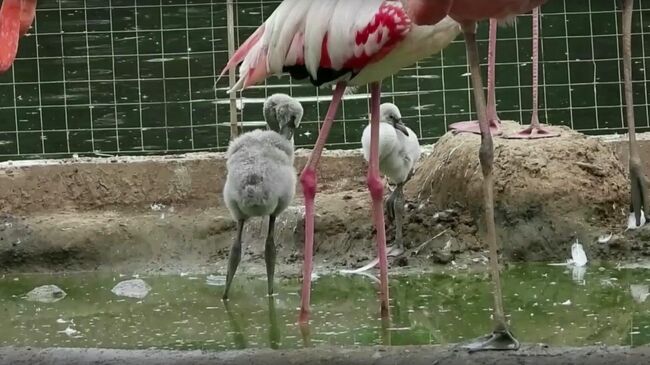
x=347, y=43
x=261, y=179
x=399, y=149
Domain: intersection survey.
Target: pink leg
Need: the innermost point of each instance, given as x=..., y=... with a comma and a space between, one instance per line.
x=9, y=31
x=493, y=119
x=376, y=188
x=536, y=130
x=308, y=182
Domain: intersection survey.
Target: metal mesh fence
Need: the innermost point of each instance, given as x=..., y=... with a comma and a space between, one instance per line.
x=138, y=76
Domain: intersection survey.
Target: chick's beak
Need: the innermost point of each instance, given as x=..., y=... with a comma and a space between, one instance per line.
x=399, y=125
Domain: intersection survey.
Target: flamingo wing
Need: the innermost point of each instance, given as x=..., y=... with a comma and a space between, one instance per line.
x=325, y=41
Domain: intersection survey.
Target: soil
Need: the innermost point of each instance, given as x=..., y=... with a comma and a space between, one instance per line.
x=548, y=192
x=527, y=355
x=164, y=214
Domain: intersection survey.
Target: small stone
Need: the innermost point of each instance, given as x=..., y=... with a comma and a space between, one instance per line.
x=442, y=257
x=134, y=288
x=401, y=261
x=46, y=294
x=215, y=280
x=457, y=246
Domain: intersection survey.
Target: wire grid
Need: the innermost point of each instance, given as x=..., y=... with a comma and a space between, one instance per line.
x=137, y=76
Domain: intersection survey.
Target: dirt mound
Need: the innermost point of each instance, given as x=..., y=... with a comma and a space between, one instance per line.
x=547, y=191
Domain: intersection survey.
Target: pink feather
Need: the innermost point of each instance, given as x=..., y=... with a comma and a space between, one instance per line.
x=243, y=50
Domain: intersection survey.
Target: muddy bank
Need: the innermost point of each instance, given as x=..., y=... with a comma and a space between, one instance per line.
x=547, y=191
x=164, y=214
x=174, y=240
x=528, y=355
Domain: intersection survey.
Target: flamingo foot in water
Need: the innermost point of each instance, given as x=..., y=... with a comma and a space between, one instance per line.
x=533, y=132
x=473, y=127
x=501, y=340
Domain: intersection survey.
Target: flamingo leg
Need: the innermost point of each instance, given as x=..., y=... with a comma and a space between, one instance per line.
x=269, y=255
x=640, y=202
x=535, y=130
x=238, y=336
x=308, y=181
x=493, y=119
x=376, y=189
x=395, y=210
x=234, y=257
x=500, y=338
x=9, y=32
x=274, y=329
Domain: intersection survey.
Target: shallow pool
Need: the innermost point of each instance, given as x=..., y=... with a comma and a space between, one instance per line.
x=547, y=304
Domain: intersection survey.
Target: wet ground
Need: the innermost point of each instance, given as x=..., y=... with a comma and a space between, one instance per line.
x=554, y=305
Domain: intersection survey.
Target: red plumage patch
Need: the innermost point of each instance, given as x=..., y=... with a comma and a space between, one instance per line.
x=389, y=26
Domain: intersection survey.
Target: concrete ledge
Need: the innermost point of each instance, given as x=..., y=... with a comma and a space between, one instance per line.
x=420, y=355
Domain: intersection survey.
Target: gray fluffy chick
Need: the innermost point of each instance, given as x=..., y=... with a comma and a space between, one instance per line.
x=261, y=178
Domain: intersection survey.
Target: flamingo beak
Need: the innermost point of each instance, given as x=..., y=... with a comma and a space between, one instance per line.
x=287, y=131
x=399, y=125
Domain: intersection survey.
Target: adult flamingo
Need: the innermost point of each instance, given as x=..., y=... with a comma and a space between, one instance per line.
x=535, y=130
x=640, y=202
x=16, y=17
x=468, y=13
x=347, y=43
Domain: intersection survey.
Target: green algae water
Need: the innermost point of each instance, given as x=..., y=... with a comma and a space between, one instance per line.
x=546, y=304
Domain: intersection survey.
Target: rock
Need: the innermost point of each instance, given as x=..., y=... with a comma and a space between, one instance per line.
x=46, y=294
x=401, y=261
x=457, y=246
x=215, y=280
x=134, y=288
x=442, y=257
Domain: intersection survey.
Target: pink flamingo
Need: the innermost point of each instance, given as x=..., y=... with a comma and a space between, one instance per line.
x=535, y=130
x=640, y=200
x=16, y=17
x=348, y=43
x=467, y=13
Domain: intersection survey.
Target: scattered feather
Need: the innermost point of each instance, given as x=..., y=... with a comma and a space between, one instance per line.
x=578, y=255
x=639, y=292
x=631, y=221
x=605, y=238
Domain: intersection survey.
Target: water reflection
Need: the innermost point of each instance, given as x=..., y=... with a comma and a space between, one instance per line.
x=546, y=304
